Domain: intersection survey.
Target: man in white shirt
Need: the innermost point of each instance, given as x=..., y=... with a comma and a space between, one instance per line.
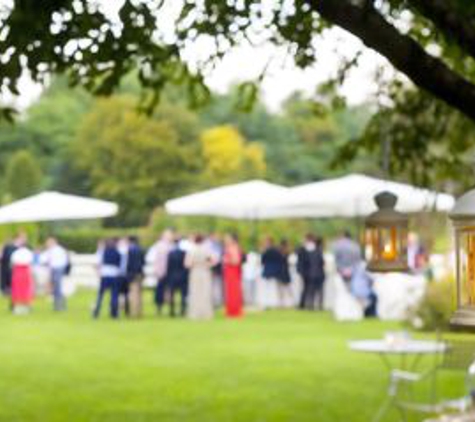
x=56, y=258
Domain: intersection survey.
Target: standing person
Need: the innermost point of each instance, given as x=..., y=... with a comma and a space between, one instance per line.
x=177, y=277
x=123, y=249
x=56, y=258
x=271, y=262
x=283, y=279
x=417, y=256
x=216, y=248
x=361, y=287
x=347, y=256
x=109, y=261
x=158, y=256
x=6, y=269
x=135, y=267
x=232, y=275
x=199, y=261
x=22, y=287
x=311, y=267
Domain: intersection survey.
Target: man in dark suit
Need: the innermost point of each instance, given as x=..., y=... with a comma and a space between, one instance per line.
x=177, y=277
x=6, y=268
x=311, y=267
x=6, y=271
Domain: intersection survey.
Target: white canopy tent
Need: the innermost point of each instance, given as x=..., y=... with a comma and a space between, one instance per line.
x=353, y=196
x=248, y=200
x=55, y=206
x=348, y=196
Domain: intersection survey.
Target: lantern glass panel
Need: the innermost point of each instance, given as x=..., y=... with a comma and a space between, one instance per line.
x=466, y=266
x=389, y=244
x=386, y=243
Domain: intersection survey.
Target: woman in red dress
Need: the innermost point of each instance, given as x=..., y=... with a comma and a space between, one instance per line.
x=22, y=280
x=232, y=261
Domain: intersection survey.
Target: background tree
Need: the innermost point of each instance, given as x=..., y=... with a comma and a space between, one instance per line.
x=130, y=158
x=23, y=175
x=229, y=158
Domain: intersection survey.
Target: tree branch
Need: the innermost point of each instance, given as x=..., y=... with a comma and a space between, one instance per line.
x=406, y=55
x=450, y=21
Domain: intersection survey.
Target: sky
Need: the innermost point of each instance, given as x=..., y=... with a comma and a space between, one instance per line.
x=282, y=77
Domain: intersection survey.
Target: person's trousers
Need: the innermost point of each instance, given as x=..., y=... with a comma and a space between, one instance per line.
x=371, y=307
x=59, y=301
x=311, y=289
x=307, y=297
x=218, y=293
x=111, y=284
x=284, y=291
x=182, y=289
x=6, y=281
x=124, y=294
x=135, y=296
x=160, y=291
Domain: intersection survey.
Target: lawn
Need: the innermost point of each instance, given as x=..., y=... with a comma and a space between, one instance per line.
x=272, y=366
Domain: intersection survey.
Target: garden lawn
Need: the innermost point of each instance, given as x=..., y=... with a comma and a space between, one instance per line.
x=272, y=366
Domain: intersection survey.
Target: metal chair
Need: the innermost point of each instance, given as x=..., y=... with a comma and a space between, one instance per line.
x=458, y=356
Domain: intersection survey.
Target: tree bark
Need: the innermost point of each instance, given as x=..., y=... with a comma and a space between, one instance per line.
x=406, y=55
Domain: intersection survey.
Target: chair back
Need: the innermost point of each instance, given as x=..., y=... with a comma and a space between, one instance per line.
x=459, y=355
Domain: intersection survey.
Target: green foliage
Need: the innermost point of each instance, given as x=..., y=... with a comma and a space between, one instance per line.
x=228, y=158
x=130, y=158
x=436, y=307
x=85, y=240
x=9, y=231
x=23, y=175
x=91, y=147
x=300, y=142
x=46, y=131
x=429, y=143
x=38, y=39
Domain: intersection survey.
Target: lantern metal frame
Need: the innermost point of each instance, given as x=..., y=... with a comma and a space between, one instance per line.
x=383, y=226
x=463, y=222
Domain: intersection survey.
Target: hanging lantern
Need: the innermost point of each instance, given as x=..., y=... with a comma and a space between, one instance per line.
x=386, y=234
x=463, y=218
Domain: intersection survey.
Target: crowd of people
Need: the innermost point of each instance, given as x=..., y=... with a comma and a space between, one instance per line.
x=197, y=275
x=16, y=272
x=194, y=275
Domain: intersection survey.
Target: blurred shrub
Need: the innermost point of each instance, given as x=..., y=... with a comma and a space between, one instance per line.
x=84, y=240
x=435, y=309
x=9, y=231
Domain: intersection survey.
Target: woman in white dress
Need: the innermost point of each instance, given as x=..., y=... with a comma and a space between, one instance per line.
x=199, y=261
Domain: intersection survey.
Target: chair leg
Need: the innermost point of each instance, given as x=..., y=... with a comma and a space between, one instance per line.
x=387, y=404
x=402, y=414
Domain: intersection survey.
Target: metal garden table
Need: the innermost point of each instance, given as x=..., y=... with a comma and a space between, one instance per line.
x=402, y=355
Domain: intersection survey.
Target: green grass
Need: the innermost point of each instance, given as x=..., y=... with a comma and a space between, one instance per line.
x=273, y=366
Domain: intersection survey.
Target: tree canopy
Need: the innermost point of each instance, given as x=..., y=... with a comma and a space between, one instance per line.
x=431, y=42
x=104, y=147
x=97, y=49
x=130, y=158
x=23, y=175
